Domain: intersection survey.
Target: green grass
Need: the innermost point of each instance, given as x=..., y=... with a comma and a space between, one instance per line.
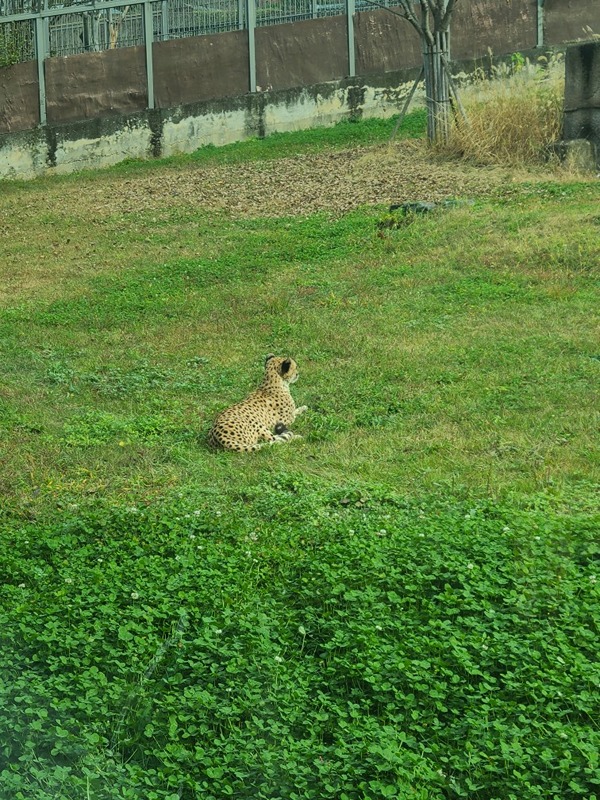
x=402, y=604
x=313, y=140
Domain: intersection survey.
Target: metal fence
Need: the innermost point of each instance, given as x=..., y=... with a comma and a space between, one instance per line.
x=82, y=27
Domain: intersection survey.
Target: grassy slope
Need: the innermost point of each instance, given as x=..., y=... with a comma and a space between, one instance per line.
x=400, y=605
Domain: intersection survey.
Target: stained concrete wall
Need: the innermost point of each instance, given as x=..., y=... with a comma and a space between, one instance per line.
x=301, y=53
x=568, y=20
x=19, y=102
x=163, y=132
x=482, y=27
x=582, y=94
x=384, y=42
x=201, y=68
x=91, y=85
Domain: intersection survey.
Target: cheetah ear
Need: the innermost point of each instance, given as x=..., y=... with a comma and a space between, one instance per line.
x=285, y=366
x=269, y=357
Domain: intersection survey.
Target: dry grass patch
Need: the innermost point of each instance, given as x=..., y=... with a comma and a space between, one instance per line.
x=513, y=119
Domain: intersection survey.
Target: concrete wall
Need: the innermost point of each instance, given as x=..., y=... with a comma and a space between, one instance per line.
x=163, y=132
x=484, y=26
x=19, y=102
x=582, y=94
x=568, y=20
x=91, y=85
x=301, y=53
x=200, y=68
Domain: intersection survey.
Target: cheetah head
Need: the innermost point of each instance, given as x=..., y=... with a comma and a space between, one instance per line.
x=285, y=368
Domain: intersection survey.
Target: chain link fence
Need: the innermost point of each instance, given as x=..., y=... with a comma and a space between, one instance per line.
x=79, y=31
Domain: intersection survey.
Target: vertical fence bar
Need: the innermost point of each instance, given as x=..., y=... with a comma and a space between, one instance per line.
x=40, y=54
x=164, y=22
x=540, y=23
x=251, y=24
x=350, y=9
x=148, y=39
x=241, y=21
x=47, y=47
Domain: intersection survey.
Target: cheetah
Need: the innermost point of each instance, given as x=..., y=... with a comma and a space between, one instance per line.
x=262, y=417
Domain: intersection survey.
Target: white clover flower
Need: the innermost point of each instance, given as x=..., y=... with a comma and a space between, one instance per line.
x=278, y=659
x=537, y=538
x=134, y=595
x=506, y=529
x=68, y=580
x=421, y=536
x=378, y=628
x=197, y=513
x=218, y=630
x=22, y=586
x=470, y=565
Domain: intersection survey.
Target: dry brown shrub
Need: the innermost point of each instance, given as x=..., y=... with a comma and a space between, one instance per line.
x=511, y=120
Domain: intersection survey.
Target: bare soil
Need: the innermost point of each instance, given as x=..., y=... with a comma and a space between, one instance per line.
x=301, y=185
x=334, y=182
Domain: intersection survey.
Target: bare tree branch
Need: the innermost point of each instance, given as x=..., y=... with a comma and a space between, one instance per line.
x=425, y=26
x=409, y=15
x=430, y=5
x=445, y=22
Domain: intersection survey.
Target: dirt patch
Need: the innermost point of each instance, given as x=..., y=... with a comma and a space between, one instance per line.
x=334, y=182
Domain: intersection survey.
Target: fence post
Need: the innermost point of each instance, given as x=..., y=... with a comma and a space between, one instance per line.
x=148, y=39
x=40, y=54
x=251, y=23
x=540, y=23
x=350, y=9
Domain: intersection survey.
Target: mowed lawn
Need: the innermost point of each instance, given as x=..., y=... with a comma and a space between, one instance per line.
x=401, y=604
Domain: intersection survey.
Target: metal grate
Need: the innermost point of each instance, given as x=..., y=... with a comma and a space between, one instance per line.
x=194, y=18
x=73, y=31
x=17, y=42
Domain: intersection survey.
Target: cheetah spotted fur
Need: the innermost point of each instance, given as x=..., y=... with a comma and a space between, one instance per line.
x=262, y=417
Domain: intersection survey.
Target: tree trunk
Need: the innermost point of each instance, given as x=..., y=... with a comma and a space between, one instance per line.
x=437, y=86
